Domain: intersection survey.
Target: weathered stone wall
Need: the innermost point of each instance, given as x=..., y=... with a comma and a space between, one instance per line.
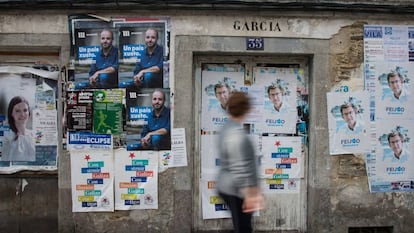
x=338, y=194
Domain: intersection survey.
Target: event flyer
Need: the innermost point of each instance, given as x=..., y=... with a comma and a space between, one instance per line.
x=107, y=111
x=79, y=111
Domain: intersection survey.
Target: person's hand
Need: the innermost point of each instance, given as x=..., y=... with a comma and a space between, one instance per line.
x=138, y=79
x=253, y=203
x=145, y=140
x=93, y=79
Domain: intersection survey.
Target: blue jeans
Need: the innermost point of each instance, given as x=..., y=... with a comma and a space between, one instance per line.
x=104, y=81
x=150, y=80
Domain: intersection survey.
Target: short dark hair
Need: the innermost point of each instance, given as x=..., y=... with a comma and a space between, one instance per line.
x=347, y=105
x=238, y=104
x=110, y=31
x=220, y=85
x=272, y=87
x=393, y=74
x=393, y=134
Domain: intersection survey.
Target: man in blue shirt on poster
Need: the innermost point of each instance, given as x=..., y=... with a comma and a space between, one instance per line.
x=104, y=72
x=156, y=134
x=148, y=72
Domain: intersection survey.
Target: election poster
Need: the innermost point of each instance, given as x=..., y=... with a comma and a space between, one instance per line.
x=394, y=150
x=394, y=90
x=116, y=52
x=388, y=78
x=279, y=90
x=28, y=119
x=92, y=174
x=136, y=180
x=348, y=121
x=282, y=157
x=218, y=82
x=213, y=206
x=148, y=121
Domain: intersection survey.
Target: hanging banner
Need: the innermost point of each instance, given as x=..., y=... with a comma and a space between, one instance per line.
x=136, y=180
x=28, y=119
x=348, y=120
x=92, y=174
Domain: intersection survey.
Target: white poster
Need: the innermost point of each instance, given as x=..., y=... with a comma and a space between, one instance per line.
x=92, y=174
x=279, y=91
x=210, y=157
x=136, y=180
x=213, y=206
x=388, y=71
x=28, y=119
x=217, y=84
x=394, y=91
x=394, y=150
x=348, y=120
x=178, y=147
x=282, y=158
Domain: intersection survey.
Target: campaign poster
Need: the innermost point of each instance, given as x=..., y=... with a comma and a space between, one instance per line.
x=218, y=82
x=28, y=119
x=111, y=53
x=79, y=110
x=279, y=88
x=394, y=150
x=134, y=41
x=107, y=111
x=213, y=205
x=136, y=180
x=92, y=174
x=394, y=91
x=148, y=120
x=282, y=158
x=349, y=123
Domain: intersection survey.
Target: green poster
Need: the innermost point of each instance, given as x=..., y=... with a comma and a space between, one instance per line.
x=107, y=114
